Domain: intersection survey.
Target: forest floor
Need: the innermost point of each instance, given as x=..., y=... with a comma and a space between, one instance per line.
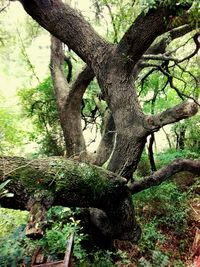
x=171, y=235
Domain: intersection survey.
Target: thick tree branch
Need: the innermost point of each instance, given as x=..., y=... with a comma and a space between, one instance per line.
x=61, y=85
x=140, y=35
x=70, y=120
x=164, y=173
x=69, y=99
x=80, y=85
x=41, y=183
x=67, y=25
x=182, y=111
x=72, y=183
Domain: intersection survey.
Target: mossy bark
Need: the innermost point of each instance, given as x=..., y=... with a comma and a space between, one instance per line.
x=71, y=183
x=57, y=181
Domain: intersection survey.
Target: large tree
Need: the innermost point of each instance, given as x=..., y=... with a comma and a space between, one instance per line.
x=126, y=126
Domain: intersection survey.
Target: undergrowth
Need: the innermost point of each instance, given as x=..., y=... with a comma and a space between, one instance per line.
x=162, y=212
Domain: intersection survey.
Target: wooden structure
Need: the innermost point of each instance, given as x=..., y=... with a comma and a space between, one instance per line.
x=38, y=258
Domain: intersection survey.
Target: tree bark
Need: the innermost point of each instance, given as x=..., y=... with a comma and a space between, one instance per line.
x=166, y=172
x=59, y=19
x=105, y=147
x=39, y=184
x=69, y=100
x=113, y=65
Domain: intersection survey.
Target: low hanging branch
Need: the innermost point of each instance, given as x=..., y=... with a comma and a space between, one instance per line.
x=164, y=173
x=71, y=183
x=182, y=111
x=75, y=184
x=41, y=183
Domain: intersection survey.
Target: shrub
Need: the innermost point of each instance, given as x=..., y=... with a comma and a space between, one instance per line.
x=165, y=204
x=158, y=259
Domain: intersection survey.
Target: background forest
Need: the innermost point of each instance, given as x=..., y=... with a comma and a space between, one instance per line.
x=169, y=214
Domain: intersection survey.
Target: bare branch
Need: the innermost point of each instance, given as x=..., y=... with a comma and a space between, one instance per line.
x=160, y=47
x=166, y=57
x=182, y=111
x=164, y=173
x=170, y=79
x=197, y=43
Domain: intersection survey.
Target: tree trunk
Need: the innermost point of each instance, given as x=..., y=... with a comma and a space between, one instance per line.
x=182, y=131
x=69, y=113
x=150, y=153
x=41, y=183
x=128, y=117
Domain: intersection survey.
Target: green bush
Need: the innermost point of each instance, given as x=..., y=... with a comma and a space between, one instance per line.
x=150, y=236
x=166, y=157
x=39, y=104
x=12, y=252
x=143, y=168
x=16, y=247
x=158, y=259
x=10, y=220
x=166, y=204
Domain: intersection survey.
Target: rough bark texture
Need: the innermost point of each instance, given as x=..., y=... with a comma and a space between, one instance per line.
x=69, y=99
x=70, y=181
x=59, y=19
x=182, y=111
x=105, y=147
